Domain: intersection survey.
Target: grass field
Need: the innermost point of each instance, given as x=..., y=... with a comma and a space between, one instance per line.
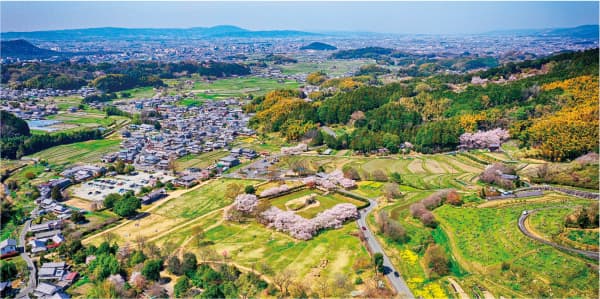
x=250, y=244
x=79, y=152
x=200, y=201
x=202, y=160
x=177, y=213
x=324, y=202
x=482, y=238
x=587, y=237
x=235, y=87
x=549, y=223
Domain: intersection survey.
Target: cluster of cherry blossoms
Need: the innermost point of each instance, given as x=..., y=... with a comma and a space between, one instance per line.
x=245, y=203
x=304, y=229
x=274, y=191
x=483, y=139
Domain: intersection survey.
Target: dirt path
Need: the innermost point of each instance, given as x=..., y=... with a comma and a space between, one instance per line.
x=172, y=195
x=487, y=295
x=188, y=240
x=247, y=269
x=184, y=224
x=459, y=290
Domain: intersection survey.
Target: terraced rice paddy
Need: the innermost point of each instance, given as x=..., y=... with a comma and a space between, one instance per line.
x=202, y=160
x=79, y=152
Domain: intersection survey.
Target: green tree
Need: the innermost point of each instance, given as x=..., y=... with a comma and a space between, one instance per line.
x=8, y=271
x=190, y=264
x=181, y=287
x=250, y=189
x=55, y=193
x=174, y=265
x=137, y=257
x=212, y=291
x=378, y=262
x=152, y=268
x=127, y=206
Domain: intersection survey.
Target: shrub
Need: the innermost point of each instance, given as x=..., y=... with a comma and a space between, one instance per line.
x=437, y=261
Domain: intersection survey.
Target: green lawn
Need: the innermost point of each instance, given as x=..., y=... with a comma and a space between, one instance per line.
x=325, y=201
x=200, y=201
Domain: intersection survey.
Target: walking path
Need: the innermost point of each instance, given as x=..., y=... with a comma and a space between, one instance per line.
x=172, y=195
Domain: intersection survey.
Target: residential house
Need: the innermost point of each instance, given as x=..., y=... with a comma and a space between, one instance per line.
x=8, y=247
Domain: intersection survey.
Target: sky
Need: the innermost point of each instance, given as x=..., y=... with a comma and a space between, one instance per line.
x=384, y=17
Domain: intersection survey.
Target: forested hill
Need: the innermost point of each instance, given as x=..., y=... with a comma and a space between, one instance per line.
x=319, y=47
x=554, y=111
x=119, y=76
x=12, y=126
x=24, y=50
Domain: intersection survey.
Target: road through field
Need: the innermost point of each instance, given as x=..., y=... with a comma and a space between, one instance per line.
x=524, y=229
x=392, y=274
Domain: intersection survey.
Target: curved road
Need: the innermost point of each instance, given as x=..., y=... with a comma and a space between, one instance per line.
x=32, y=282
x=397, y=281
x=523, y=229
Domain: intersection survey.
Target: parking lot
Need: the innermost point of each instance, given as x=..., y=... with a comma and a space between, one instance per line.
x=97, y=189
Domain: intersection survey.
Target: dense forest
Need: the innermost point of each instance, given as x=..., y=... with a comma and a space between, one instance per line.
x=555, y=112
x=111, y=77
x=12, y=126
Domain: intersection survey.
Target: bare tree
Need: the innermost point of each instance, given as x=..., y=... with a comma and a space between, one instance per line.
x=322, y=287
x=283, y=279
x=140, y=241
x=109, y=237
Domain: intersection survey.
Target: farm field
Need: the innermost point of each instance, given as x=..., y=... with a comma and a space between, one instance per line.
x=79, y=152
x=234, y=87
x=421, y=172
x=478, y=238
x=482, y=239
x=331, y=67
x=140, y=92
x=199, y=160
x=550, y=222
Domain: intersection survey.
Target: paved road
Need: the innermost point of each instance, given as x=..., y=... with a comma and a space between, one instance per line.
x=32, y=282
x=523, y=228
x=397, y=281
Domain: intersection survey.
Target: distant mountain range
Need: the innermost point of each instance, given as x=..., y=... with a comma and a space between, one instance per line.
x=229, y=31
x=112, y=33
x=584, y=31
